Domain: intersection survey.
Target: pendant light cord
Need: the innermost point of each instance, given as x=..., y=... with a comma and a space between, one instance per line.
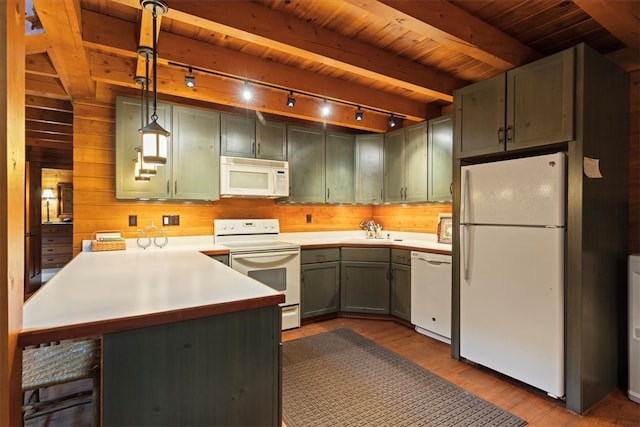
x=154, y=117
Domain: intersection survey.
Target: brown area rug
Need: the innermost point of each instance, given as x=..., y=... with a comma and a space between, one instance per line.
x=341, y=378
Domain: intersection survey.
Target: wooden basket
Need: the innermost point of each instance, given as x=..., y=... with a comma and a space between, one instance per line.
x=107, y=245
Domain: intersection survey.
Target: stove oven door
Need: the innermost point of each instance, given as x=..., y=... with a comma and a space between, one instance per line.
x=279, y=270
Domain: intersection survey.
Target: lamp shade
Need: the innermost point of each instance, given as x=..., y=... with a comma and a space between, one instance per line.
x=48, y=194
x=154, y=143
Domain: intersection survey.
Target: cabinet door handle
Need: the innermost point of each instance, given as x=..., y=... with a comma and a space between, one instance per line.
x=451, y=188
x=168, y=183
x=253, y=147
x=175, y=187
x=258, y=145
x=500, y=135
x=509, y=134
x=328, y=193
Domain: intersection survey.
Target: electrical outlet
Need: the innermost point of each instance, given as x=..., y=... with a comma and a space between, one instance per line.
x=174, y=220
x=133, y=220
x=165, y=219
x=309, y=219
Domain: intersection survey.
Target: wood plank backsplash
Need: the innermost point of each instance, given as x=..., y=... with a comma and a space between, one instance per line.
x=96, y=207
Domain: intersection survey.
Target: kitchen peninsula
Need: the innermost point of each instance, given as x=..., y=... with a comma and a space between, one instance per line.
x=185, y=339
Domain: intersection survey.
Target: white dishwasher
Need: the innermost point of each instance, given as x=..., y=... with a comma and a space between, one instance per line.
x=431, y=294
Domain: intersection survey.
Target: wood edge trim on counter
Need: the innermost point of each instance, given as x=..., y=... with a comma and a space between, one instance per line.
x=98, y=328
x=213, y=252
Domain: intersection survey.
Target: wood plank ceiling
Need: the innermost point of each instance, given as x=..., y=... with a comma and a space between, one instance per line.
x=386, y=56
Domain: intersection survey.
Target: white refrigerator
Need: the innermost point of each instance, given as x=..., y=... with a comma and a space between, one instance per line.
x=512, y=239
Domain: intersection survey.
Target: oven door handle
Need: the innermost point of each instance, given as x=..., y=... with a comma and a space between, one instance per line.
x=282, y=254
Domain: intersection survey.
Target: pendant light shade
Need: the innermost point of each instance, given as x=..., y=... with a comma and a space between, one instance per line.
x=154, y=136
x=154, y=142
x=142, y=172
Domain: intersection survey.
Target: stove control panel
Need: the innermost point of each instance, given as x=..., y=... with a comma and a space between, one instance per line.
x=223, y=227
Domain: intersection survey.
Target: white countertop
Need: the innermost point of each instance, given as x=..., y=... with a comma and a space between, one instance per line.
x=415, y=241
x=103, y=286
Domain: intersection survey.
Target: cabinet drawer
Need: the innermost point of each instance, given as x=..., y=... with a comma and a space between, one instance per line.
x=312, y=256
x=54, y=261
x=56, y=230
x=57, y=240
x=401, y=256
x=56, y=250
x=365, y=254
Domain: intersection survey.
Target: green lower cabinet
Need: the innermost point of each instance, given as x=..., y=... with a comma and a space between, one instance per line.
x=401, y=283
x=364, y=280
x=319, y=281
x=401, y=291
x=319, y=288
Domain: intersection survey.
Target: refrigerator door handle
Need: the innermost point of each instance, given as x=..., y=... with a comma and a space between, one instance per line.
x=464, y=244
x=463, y=199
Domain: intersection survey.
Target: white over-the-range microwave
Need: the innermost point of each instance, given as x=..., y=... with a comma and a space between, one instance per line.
x=247, y=177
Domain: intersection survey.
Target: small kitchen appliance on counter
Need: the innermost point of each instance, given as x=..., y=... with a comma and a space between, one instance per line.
x=256, y=251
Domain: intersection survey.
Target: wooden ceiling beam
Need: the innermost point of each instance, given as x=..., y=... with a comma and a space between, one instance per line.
x=44, y=86
x=453, y=27
x=40, y=64
x=105, y=34
x=260, y=25
x=61, y=21
x=620, y=17
x=37, y=43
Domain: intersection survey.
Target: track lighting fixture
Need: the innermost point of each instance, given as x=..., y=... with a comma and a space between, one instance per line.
x=190, y=79
x=247, y=94
x=392, y=122
x=154, y=136
x=291, y=101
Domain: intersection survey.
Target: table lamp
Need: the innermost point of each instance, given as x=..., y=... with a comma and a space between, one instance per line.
x=47, y=194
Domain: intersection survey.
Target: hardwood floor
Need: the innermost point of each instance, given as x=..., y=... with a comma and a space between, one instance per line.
x=530, y=404
x=535, y=407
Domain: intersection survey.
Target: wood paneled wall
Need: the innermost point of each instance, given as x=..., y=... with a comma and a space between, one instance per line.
x=96, y=208
x=634, y=163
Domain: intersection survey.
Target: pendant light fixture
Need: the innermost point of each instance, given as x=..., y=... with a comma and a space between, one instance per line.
x=143, y=169
x=154, y=136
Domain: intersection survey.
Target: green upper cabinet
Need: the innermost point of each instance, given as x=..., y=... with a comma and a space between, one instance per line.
x=339, y=168
x=440, y=137
x=192, y=169
x=369, y=168
x=196, y=154
x=271, y=140
x=306, y=164
x=394, y=166
x=529, y=106
x=128, y=121
x=405, y=160
x=237, y=135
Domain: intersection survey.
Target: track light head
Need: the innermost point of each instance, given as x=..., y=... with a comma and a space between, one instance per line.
x=359, y=115
x=291, y=101
x=325, y=109
x=246, y=92
x=392, y=122
x=190, y=79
